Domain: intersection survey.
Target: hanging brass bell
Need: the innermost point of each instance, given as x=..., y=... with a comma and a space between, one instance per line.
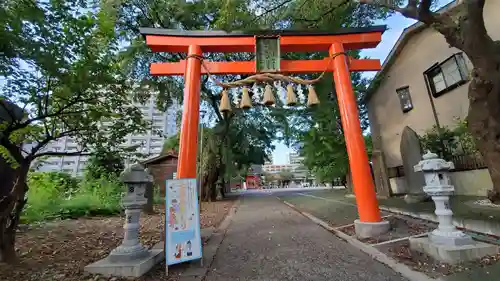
x=291, y=98
x=246, y=101
x=268, y=96
x=312, y=98
x=225, y=105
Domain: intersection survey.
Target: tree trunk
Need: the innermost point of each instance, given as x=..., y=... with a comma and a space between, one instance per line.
x=149, y=194
x=484, y=123
x=467, y=32
x=11, y=206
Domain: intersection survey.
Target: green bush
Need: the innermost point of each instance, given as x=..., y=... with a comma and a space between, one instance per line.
x=157, y=197
x=448, y=142
x=58, y=195
x=46, y=192
x=95, y=197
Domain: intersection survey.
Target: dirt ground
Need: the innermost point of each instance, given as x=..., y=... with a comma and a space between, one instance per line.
x=59, y=250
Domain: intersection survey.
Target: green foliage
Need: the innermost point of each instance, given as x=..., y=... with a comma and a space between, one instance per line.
x=448, y=142
x=62, y=68
x=242, y=137
x=59, y=63
x=171, y=143
x=322, y=142
x=45, y=196
x=319, y=132
x=285, y=175
x=233, y=142
x=55, y=195
x=103, y=163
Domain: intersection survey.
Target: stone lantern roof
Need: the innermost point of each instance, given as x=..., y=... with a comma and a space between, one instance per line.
x=431, y=162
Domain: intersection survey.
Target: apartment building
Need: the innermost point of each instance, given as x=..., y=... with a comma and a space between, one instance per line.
x=295, y=158
x=150, y=143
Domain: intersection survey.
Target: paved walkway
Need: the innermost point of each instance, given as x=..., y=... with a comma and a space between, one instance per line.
x=269, y=241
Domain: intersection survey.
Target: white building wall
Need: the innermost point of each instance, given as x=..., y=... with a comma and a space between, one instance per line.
x=295, y=158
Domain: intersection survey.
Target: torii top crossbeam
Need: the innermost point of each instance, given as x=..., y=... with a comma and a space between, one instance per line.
x=175, y=41
x=268, y=47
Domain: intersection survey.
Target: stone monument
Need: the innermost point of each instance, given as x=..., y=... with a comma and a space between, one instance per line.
x=411, y=154
x=446, y=243
x=130, y=259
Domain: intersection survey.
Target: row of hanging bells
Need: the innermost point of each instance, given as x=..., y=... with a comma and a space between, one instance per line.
x=268, y=99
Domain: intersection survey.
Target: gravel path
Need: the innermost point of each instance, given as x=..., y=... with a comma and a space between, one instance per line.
x=269, y=241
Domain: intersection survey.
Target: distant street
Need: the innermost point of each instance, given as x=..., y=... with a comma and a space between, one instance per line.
x=280, y=191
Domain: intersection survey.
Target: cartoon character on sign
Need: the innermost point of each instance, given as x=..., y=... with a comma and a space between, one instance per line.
x=189, y=249
x=171, y=218
x=182, y=207
x=174, y=210
x=178, y=251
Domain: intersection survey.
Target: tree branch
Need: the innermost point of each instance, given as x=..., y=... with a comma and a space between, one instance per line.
x=213, y=103
x=48, y=139
x=271, y=9
x=425, y=6
x=13, y=149
x=60, y=111
x=409, y=11
x=11, y=114
x=54, y=153
x=327, y=12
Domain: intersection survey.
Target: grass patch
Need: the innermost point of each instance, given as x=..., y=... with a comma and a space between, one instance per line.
x=56, y=195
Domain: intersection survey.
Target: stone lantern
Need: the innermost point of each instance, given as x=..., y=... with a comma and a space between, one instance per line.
x=446, y=243
x=135, y=179
x=130, y=259
x=438, y=186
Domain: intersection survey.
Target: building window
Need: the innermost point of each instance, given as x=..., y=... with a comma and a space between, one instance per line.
x=137, y=141
x=72, y=148
x=405, y=98
x=447, y=75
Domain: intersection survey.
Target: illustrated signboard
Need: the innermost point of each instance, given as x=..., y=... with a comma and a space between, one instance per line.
x=183, y=240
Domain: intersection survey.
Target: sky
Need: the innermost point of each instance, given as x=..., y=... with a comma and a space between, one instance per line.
x=395, y=24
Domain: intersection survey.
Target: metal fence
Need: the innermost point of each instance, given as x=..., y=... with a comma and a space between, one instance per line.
x=461, y=162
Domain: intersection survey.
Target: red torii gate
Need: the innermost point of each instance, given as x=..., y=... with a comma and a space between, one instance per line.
x=195, y=43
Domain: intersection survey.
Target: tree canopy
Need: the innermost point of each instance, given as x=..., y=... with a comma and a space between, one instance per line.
x=59, y=66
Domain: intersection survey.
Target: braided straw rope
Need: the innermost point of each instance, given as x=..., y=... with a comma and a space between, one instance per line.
x=264, y=77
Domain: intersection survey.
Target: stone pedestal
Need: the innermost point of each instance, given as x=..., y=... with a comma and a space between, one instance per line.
x=446, y=243
x=452, y=254
x=371, y=229
x=132, y=268
x=130, y=259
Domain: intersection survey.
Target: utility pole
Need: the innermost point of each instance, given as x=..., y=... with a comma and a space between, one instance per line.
x=200, y=175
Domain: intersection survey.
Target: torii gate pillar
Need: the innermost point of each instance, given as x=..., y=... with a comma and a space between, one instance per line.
x=188, y=142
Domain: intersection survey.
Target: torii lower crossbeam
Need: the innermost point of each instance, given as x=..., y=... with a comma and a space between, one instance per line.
x=248, y=67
